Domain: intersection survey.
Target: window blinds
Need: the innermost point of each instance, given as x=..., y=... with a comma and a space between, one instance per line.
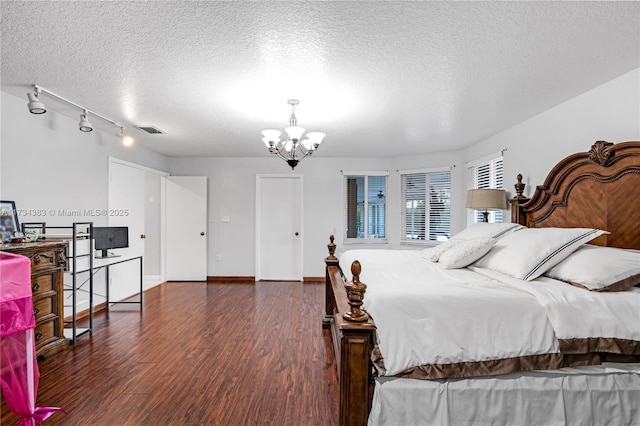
x=426, y=214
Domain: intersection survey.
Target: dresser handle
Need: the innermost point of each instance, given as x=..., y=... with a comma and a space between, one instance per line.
x=38, y=336
x=36, y=311
x=36, y=287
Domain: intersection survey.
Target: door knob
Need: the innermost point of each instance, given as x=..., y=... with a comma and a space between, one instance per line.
x=202, y=233
x=297, y=233
x=143, y=236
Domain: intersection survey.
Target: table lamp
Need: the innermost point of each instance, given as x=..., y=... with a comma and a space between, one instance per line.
x=487, y=199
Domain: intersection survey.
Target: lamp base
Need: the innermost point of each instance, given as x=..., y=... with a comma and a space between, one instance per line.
x=485, y=216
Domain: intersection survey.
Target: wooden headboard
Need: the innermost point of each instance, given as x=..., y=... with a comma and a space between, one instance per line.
x=595, y=189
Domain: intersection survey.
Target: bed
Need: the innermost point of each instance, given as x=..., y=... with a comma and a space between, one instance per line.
x=437, y=353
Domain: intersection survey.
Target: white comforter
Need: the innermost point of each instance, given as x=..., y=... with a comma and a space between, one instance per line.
x=577, y=313
x=429, y=315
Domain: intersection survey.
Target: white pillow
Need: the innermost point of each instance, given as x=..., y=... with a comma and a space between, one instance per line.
x=530, y=252
x=465, y=253
x=487, y=230
x=432, y=254
x=599, y=268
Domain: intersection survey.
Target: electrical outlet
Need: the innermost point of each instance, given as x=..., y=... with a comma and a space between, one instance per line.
x=218, y=257
x=226, y=219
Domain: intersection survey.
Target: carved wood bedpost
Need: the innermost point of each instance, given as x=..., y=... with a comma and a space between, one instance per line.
x=352, y=332
x=517, y=201
x=329, y=301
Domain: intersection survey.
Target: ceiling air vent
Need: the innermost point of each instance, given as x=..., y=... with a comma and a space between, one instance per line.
x=150, y=129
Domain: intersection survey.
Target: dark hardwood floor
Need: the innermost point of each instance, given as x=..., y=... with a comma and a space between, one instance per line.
x=199, y=354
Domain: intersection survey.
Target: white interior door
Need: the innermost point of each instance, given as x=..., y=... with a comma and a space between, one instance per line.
x=186, y=228
x=126, y=207
x=279, y=227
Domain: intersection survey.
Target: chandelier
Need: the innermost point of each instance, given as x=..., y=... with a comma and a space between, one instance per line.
x=293, y=149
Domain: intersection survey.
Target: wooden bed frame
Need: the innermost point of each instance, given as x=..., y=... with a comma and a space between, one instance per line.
x=595, y=189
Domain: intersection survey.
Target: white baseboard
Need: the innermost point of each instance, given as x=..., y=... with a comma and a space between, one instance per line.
x=152, y=281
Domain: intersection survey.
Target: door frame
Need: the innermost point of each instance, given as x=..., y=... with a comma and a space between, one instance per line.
x=258, y=255
x=161, y=206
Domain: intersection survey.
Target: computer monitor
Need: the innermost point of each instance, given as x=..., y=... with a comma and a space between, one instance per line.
x=110, y=237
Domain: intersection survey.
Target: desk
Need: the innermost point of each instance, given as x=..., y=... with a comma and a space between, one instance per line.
x=106, y=263
x=96, y=265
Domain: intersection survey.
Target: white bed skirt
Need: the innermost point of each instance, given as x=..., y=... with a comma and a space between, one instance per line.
x=608, y=394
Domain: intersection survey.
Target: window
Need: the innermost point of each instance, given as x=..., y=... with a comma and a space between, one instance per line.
x=366, y=206
x=482, y=174
x=426, y=211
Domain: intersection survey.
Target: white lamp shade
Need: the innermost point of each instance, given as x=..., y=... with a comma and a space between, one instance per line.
x=272, y=135
x=488, y=199
x=316, y=137
x=294, y=132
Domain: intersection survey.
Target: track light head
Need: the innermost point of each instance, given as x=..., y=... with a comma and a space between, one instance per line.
x=85, y=125
x=35, y=106
x=125, y=139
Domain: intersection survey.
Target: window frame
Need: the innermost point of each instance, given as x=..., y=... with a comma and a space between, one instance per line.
x=403, y=206
x=366, y=175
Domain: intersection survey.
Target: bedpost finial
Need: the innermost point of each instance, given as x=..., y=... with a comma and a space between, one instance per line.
x=519, y=188
x=356, y=267
x=355, y=294
x=332, y=248
x=600, y=152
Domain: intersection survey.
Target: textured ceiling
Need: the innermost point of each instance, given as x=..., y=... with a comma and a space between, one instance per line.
x=380, y=78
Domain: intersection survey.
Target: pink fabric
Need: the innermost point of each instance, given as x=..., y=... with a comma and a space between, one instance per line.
x=15, y=273
x=18, y=363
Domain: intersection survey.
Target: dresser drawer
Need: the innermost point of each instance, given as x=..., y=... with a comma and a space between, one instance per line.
x=44, y=333
x=42, y=283
x=43, y=307
x=44, y=259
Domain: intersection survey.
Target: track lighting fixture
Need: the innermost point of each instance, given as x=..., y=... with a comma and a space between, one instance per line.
x=36, y=107
x=85, y=126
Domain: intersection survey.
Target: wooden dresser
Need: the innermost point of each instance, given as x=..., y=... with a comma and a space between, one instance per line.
x=47, y=283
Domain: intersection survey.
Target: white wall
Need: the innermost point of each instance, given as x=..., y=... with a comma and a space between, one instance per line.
x=608, y=112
